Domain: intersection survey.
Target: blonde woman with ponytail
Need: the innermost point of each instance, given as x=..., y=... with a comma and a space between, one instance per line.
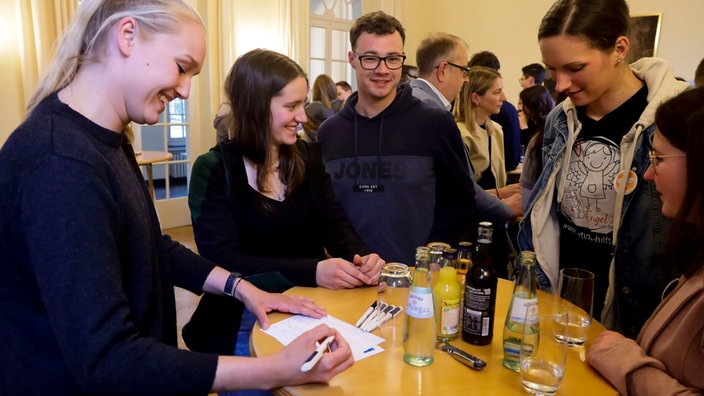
x=86, y=276
x=482, y=96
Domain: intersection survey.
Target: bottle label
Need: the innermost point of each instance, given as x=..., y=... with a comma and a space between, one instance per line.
x=450, y=316
x=420, y=303
x=520, y=307
x=477, y=310
x=512, y=349
x=478, y=299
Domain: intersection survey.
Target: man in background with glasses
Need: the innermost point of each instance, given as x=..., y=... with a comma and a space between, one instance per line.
x=532, y=75
x=440, y=58
x=397, y=165
x=442, y=69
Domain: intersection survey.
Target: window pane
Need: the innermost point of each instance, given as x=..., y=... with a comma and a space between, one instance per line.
x=177, y=111
x=317, y=7
x=317, y=67
x=355, y=9
x=317, y=42
x=343, y=9
x=177, y=132
x=340, y=44
x=340, y=9
x=339, y=71
x=153, y=138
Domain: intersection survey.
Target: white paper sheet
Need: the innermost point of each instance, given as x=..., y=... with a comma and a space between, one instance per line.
x=362, y=343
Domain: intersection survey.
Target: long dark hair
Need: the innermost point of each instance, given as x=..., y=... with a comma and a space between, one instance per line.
x=599, y=22
x=537, y=103
x=681, y=121
x=254, y=79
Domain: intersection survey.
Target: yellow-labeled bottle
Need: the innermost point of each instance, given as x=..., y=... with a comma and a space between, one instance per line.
x=446, y=293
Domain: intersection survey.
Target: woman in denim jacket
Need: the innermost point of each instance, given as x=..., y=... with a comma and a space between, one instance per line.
x=591, y=207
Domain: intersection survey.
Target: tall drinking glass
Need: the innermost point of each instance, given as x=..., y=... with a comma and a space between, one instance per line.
x=575, y=292
x=393, y=288
x=542, y=357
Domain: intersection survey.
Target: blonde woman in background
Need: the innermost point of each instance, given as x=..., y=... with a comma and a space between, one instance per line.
x=481, y=97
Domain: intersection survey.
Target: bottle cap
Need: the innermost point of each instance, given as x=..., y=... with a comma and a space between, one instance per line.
x=449, y=253
x=464, y=246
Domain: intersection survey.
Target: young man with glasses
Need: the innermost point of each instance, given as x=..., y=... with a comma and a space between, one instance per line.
x=397, y=165
x=532, y=75
x=439, y=58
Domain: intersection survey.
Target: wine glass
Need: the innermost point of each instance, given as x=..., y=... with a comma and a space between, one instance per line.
x=575, y=292
x=542, y=358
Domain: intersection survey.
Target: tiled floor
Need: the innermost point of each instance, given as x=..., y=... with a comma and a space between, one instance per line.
x=186, y=301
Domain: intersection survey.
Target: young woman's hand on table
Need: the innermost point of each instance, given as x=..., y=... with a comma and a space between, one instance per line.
x=260, y=303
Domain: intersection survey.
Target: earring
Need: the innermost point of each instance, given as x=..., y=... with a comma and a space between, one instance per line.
x=619, y=60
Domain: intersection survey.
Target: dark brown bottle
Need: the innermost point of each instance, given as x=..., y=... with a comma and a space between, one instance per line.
x=480, y=291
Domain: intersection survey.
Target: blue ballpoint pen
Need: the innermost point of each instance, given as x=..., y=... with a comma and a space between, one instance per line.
x=315, y=356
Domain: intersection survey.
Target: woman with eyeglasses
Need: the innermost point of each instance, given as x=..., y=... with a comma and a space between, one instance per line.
x=668, y=355
x=591, y=208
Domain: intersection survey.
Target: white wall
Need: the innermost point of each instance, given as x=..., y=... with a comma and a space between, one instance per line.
x=509, y=28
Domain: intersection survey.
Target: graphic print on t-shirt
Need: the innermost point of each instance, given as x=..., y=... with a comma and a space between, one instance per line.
x=588, y=200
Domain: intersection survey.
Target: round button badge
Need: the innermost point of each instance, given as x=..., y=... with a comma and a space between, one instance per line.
x=631, y=182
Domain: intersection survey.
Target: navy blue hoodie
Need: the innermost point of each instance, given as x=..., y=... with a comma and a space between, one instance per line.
x=401, y=176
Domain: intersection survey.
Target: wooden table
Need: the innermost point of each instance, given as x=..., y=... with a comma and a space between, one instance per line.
x=147, y=159
x=387, y=373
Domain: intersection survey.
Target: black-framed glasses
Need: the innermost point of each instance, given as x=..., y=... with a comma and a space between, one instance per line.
x=465, y=69
x=371, y=62
x=656, y=159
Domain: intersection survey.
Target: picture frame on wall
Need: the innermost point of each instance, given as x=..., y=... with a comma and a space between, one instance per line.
x=644, y=35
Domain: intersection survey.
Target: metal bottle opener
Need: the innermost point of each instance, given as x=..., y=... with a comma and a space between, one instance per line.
x=461, y=356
